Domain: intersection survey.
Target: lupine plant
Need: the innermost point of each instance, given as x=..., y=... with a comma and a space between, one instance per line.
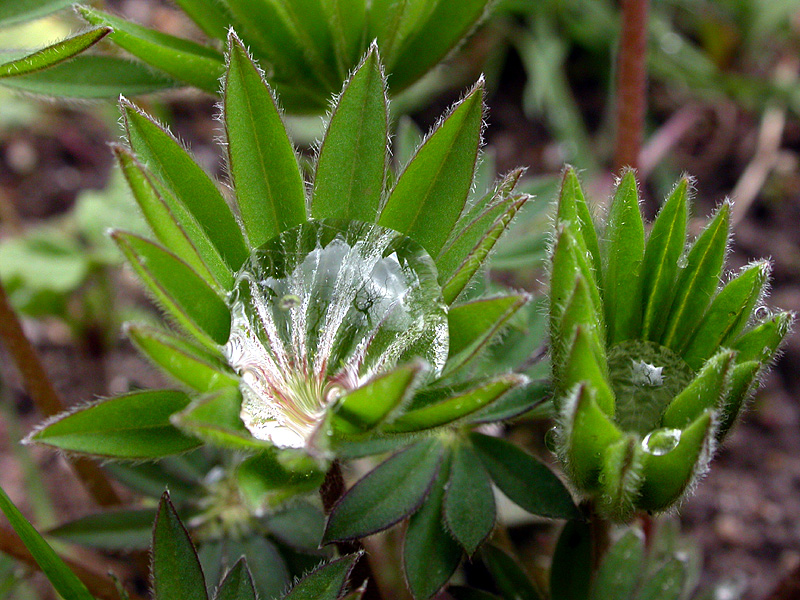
x=652, y=357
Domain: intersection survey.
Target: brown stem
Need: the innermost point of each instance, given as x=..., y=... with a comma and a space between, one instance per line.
x=99, y=586
x=601, y=535
x=44, y=395
x=631, y=83
x=332, y=489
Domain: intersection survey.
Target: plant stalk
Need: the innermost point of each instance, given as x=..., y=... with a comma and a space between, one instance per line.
x=46, y=399
x=631, y=83
x=99, y=586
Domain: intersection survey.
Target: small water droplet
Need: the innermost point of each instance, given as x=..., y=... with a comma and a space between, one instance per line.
x=682, y=261
x=550, y=439
x=660, y=441
x=762, y=313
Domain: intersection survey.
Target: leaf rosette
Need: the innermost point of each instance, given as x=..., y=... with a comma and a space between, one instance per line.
x=652, y=358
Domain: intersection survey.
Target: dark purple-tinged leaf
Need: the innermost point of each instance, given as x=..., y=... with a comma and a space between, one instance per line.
x=624, y=252
x=431, y=192
x=474, y=324
x=238, y=584
x=172, y=223
x=53, y=54
x=197, y=65
x=698, y=281
x=169, y=161
x=430, y=554
x=326, y=582
x=368, y=406
x=387, y=494
x=571, y=571
x=728, y=314
x=132, y=426
x=456, y=407
x=261, y=159
x=177, y=574
x=63, y=580
x=90, y=76
x=181, y=292
x=109, y=530
x=351, y=168
x=187, y=363
x=621, y=568
x=469, y=508
x=511, y=581
x=526, y=481
x=661, y=255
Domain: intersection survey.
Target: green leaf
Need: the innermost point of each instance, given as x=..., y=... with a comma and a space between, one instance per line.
x=430, y=555
x=666, y=476
x=387, y=494
x=706, y=391
x=366, y=407
x=176, y=569
x=583, y=365
x=432, y=40
x=526, y=481
x=131, y=426
x=262, y=162
x=516, y=402
x=621, y=568
x=742, y=381
x=456, y=407
x=571, y=572
x=511, y=581
x=572, y=208
x=172, y=223
x=326, y=582
x=406, y=140
x=150, y=479
x=63, y=580
x=347, y=22
x=580, y=312
x=728, y=313
x=183, y=295
x=19, y=11
x=264, y=481
x=168, y=160
x=762, y=341
x=469, y=507
x=210, y=15
x=90, y=77
x=109, y=530
x=474, y=324
x=192, y=365
x=53, y=54
x=184, y=60
x=431, y=192
x=698, y=281
x=624, y=253
x=666, y=584
x=621, y=477
x=238, y=583
x=215, y=418
x=351, y=168
x=298, y=525
x=661, y=255
x=270, y=572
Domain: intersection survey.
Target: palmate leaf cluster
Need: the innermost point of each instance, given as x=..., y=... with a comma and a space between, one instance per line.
x=307, y=47
x=652, y=358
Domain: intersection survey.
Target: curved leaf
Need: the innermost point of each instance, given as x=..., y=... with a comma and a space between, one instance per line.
x=53, y=54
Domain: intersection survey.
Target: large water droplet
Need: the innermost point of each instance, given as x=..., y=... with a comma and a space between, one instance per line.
x=322, y=309
x=646, y=375
x=661, y=441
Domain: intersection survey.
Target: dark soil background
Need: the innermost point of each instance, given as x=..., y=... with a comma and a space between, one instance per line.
x=745, y=515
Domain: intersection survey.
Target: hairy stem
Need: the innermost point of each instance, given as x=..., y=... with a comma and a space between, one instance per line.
x=47, y=400
x=99, y=586
x=601, y=536
x=631, y=83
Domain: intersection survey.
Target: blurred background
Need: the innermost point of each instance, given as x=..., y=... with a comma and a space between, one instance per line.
x=723, y=105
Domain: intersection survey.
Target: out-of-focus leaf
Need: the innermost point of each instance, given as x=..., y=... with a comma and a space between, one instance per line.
x=525, y=480
x=210, y=15
x=64, y=581
x=510, y=579
x=263, y=165
x=184, y=60
x=351, y=168
x=132, y=426
x=469, y=507
x=177, y=574
x=53, y=54
x=181, y=292
x=263, y=480
x=326, y=582
x=111, y=530
x=269, y=571
x=571, y=572
x=387, y=494
x=666, y=584
x=18, y=11
x=430, y=194
x=621, y=568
